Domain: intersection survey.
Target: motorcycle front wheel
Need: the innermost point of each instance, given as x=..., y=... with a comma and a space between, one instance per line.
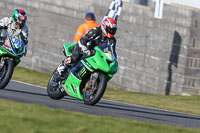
x=6, y=72
x=91, y=97
x=53, y=90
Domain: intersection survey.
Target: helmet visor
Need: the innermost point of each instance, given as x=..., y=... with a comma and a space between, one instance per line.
x=111, y=30
x=20, y=23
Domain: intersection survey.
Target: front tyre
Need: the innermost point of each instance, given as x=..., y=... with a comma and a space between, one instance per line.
x=6, y=72
x=53, y=90
x=92, y=97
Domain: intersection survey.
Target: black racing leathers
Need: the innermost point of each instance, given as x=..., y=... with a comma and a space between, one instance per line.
x=94, y=38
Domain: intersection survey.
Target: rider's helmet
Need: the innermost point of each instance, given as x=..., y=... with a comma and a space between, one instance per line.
x=19, y=18
x=109, y=27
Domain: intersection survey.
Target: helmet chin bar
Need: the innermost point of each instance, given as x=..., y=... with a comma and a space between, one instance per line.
x=17, y=26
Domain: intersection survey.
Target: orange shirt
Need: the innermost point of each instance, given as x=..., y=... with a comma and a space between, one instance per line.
x=84, y=28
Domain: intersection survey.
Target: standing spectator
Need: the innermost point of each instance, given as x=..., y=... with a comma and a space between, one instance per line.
x=85, y=27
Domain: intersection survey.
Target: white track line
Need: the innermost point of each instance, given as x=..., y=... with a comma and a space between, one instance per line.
x=29, y=84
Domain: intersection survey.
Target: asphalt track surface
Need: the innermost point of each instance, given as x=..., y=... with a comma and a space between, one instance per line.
x=27, y=93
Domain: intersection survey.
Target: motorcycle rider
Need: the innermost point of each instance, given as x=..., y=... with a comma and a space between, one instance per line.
x=102, y=36
x=15, y=25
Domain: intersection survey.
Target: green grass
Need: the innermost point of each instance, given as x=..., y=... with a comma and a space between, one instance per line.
x=29, y=118
x=184, y=104
x=31, y=76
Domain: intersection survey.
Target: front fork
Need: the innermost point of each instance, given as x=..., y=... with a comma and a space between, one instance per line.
x=93, y=78
x=2, y=62
x=91, y=86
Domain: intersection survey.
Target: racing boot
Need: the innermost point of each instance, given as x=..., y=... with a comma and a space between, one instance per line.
x=64, y=65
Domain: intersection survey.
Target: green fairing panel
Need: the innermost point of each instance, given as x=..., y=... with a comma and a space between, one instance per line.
x=5, y=52
x=109, y=76
x=17, y=61
x=110, y=68
x=73, y=89
x=68, y=48
x=113, y=67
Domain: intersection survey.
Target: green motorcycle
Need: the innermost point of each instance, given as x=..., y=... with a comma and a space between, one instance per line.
x=85, y=80
x=11, y=50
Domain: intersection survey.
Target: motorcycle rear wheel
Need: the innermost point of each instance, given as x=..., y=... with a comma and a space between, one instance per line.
x=92, y=99
x=6, y=72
